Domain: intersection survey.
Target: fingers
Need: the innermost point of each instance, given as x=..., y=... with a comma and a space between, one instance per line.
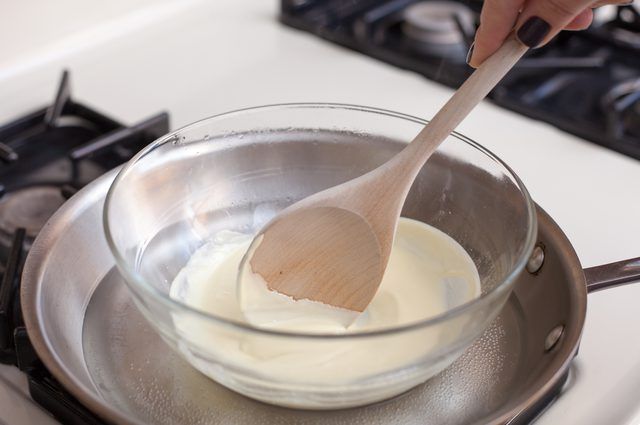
x=536, y=22
x=581, y=22
x=541, y=20
x=496, y=22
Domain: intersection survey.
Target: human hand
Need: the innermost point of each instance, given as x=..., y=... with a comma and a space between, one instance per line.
x=535, y=22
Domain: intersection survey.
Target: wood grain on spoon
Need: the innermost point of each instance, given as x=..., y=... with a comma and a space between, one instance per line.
x=333, y=246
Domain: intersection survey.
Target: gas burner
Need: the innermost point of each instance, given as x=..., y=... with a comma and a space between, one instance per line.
x=438, y=26
x=29, y=208
x=47, y=155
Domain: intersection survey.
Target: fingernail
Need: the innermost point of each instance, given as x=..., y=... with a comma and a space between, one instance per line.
x=532, y=32
x=470, y=53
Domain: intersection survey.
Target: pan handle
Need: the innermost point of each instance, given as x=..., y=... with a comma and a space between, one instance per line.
x=612, y=274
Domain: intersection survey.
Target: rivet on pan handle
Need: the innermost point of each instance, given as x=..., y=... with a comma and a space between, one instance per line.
x=613, y=274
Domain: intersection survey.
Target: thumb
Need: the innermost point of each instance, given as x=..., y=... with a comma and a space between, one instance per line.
x=541, y=20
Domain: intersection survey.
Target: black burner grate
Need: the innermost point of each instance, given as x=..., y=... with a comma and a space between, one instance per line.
x=586, y=83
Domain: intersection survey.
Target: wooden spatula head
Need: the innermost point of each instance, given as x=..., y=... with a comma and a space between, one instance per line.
x=324, y=254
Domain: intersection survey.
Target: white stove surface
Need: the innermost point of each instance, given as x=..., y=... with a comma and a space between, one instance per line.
x=197, y=58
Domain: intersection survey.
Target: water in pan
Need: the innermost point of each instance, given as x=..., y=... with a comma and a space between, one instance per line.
x=134, y=369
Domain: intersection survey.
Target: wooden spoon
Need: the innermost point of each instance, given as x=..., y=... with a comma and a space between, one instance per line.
x=333, y=246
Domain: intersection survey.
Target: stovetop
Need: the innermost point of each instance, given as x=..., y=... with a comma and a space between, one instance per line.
x=46, y=156
x=245, y=84
x=586, y=82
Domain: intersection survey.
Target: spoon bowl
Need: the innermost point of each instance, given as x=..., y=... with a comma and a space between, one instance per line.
x=339, y=245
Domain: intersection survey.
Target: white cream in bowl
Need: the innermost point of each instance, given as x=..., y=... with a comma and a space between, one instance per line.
x=428, y=273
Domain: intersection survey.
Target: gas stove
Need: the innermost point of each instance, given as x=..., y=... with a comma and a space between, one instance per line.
x=47, y=156
x=153, y=55
x=586, y=83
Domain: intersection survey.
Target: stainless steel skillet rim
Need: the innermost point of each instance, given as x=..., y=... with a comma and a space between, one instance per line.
x=30, y=299
x=570, y=339
x=138, y=284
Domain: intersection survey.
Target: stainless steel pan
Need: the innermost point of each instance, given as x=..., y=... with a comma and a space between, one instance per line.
x=84, y=326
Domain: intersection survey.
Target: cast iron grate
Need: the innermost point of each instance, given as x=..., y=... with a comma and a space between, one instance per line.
x=586, y=83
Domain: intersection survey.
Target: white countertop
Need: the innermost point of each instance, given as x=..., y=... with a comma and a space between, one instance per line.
x=196, y=58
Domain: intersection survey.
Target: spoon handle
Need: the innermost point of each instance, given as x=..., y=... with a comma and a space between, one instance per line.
x=474, y=89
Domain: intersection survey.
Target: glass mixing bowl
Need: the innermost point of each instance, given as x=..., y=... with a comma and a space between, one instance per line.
x=236, y=170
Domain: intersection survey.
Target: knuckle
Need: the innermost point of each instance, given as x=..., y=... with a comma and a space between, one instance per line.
x=503, y=4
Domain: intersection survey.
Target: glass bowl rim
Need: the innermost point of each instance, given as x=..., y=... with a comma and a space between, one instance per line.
x=135, y=282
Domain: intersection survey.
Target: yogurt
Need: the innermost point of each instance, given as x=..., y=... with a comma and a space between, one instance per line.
x=428, y=273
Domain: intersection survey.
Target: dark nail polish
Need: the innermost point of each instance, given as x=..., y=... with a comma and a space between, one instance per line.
x=470, y=52
x=532, y=32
